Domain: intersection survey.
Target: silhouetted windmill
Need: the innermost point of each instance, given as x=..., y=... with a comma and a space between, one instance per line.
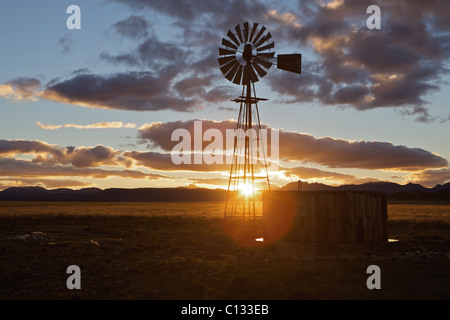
x=245, y=56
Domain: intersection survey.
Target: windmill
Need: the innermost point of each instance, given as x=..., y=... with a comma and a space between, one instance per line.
x=246, y=55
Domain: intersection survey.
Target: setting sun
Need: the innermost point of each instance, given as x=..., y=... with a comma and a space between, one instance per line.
x=246, y=189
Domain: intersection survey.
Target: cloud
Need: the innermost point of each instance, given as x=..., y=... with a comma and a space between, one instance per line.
x=54, y=161
x=20, y=89
x=431, y=177
x=218, y=182
x=305, y=173
x=14, y=147
x=154, y=54
x=134, y=27
x=66, y=43
x=24, y=168
x=340, y=153
x=80, y=157
x=193, y=86
x=158, y=134
x=294, y=146
x=137, y=91
x=128, y=59
x=397, y=66
x=185, y=12
x=46, y=183
x=99, y=125
x=163, y=162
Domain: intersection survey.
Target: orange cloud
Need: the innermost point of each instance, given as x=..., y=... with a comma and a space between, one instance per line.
x=46, y=183
x=305, y=173
x=27, y=169
x=327, y=151
x=21, y=89
x=99, y=125
x=430, y=177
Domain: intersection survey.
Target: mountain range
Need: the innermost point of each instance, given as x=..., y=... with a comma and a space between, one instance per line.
x=395, y=192
x=388, y=187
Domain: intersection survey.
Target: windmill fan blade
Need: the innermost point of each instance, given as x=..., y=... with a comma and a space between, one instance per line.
x=255, y=26
x=259, y=34
x=247, y=53
x=264, y=62
x=267, y=55
x=246, y=31
x=233, y=71
x=253, y=76
x=233, y=38
x=228, y=66
x=249, y=75
x=225, y=60
x=238, y=77
x=239, y=33
x=226, y=52
x=264, y=39
x=269, y=46
x=246, y=78
x=228, y=44
x=260, y=70
x=290, y=62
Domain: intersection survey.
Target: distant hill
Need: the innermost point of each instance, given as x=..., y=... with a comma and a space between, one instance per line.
x=388, y=187
x=160, y=195
x=113, y=195
x=395, y=192
x=42, y=194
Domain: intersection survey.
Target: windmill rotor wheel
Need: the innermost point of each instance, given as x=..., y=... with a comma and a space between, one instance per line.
x=246, y=53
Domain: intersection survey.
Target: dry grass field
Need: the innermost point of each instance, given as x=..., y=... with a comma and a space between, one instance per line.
x=173, y=251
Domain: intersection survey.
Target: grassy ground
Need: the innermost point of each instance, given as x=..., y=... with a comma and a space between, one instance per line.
x=188, y=251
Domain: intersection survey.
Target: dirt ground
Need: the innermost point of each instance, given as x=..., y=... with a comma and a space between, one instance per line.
x=201, y=256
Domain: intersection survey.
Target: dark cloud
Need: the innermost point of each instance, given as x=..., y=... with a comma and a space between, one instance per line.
x=221, y=93
x=163, y=162
x=193, y=86
x=21, y=88
x=350, y=94
x=81, y=157
x=55, y=161
x=158, y=134
x=339, y=153
x=153, y=52
x=14, y=147
x=213, y=14
x=66, y=43
x=137, y=91
x=294, y=146
x=134, y=27
x=121, y=59
x=396, y=66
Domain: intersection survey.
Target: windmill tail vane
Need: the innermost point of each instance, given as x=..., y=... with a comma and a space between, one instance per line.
x=246, y=55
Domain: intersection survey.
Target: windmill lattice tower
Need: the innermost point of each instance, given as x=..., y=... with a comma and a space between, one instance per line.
x=245, y=56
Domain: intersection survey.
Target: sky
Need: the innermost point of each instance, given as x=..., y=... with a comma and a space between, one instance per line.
x=96, y=106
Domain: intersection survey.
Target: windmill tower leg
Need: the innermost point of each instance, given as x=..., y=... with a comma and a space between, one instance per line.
x=243, y=196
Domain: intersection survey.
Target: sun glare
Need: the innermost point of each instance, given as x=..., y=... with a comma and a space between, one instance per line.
x=246, y=189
